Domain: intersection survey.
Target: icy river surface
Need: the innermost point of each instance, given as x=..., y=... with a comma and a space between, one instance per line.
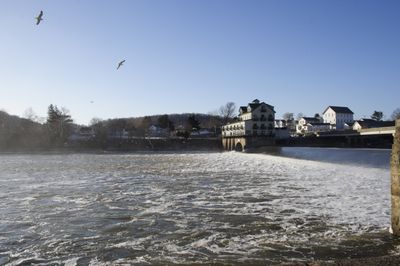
x=194, y=208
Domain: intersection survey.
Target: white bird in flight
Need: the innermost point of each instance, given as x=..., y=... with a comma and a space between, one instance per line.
x=39, y=18
x=120, y=64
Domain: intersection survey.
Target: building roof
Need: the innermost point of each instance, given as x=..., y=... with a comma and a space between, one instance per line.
x=371, y=123
x=254, y=105
x=339, y=109
x=311, y=119
x=319, y=124
x=350, y=124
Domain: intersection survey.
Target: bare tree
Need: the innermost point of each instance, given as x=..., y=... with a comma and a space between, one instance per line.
x=299, y=116
x=288, y=116
x=30, y=114
x=396, y=114
x=94, y=121
x=227, y=111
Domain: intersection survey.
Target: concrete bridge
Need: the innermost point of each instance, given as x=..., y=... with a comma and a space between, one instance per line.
x=363, y=132
x=371, y=137
x=378, y=131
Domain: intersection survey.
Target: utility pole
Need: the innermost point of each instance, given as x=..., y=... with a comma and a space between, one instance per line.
x=395, y=180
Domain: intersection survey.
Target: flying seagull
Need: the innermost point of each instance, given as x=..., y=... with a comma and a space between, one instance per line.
x=120, y=64
x=39, y=18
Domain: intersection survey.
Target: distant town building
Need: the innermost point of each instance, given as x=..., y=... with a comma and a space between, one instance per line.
x=337, y=116
x=348, y=125
x=371, y=123
x=82, y=134
x=202, y=133
x=156, y=131
x=311, y=124
x=255, y=119
x=280, y=123
x=281, y=129
x=118, y=134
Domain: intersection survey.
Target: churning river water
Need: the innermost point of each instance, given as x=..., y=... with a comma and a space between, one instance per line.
x=194, y=208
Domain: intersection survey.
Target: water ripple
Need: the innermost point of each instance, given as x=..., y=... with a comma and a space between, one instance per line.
x=188, y=208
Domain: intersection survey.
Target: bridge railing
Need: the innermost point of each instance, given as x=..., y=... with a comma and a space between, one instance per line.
x=378, y=130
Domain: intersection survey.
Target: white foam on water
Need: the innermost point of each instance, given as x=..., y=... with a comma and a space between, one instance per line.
x=71, y=262
x=96, y=262
x=137, y=243
x=189, y=208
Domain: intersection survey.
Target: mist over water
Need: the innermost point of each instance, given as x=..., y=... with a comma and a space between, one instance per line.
x=379, y=158
x=193, y=208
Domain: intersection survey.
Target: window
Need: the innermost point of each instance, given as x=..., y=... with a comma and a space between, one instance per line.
x=270, y=118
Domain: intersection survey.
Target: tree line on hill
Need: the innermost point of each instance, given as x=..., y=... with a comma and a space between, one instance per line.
x=27, y=133
x=55, y=131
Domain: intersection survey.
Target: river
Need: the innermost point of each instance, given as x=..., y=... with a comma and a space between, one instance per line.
x=194, y=208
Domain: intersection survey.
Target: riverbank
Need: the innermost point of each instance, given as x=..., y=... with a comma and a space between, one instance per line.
x=125, y=145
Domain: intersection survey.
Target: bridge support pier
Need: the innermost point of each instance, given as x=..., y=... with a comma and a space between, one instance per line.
x=395, y=181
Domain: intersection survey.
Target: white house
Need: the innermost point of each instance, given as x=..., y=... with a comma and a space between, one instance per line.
x=311, y=124
x=255, y=119
x=365, y=123
x=156, y=131
x=204, y=132
x=281, y=129
x=280, y=123
x=337, y=116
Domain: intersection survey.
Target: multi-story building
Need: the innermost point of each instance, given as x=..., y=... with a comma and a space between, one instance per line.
x=337, y=116
x=255, y=119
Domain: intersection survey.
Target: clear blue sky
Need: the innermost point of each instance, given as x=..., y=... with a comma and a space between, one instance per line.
x=196, y=55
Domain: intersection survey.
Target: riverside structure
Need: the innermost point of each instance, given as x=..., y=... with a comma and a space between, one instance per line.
x=254, y=128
